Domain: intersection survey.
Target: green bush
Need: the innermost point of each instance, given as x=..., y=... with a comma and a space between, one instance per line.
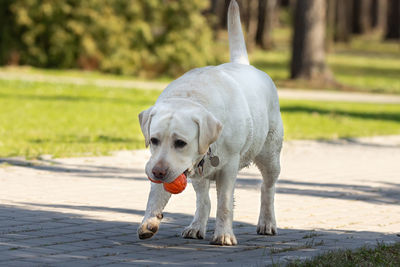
x=139, y=37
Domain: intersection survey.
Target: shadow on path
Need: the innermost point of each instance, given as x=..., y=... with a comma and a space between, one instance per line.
x=47, y=237
x=387, y=193
x=81, y=170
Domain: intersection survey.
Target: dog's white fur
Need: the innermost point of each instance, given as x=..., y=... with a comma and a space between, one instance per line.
x=232, y=108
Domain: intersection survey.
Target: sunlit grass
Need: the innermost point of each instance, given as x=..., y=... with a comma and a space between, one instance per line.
x=39, y=118
x=365, y=64
x=66, y=120
x=369, y=73
x=327, y=120
x=382, y=255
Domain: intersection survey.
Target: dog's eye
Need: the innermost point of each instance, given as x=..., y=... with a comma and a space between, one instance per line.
x=179, y=143
x=154, y=141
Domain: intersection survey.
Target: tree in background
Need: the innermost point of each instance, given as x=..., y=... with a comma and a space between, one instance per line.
x=266, y=19
x=142, y=37
x=250, y=13
x=343, y=20
x=330, y=23
x=258, y=18
x=308, y=50
x=378, y=14
x=393, y=20
x=8, y=43
x=288, y=3
x=362, y=16
x=219, y=9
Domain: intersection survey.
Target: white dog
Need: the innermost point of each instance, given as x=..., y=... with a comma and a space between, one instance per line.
x=209, y=124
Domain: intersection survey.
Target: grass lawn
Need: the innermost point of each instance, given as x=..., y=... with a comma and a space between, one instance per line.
x=67, y=120
x=382, y=255
x=365, y=64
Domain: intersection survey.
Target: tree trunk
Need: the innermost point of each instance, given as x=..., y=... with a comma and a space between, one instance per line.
x=266, y=20
x=393, y=20
x=362, y=16
x=343, y=20
x=378, y=14
x=220, y=10
x=284, y=3
x=308, y=54
x=251, y=19
x=330, y=23
x=287, y=3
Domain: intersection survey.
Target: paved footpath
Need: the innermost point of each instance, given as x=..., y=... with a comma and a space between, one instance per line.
x=85, y=211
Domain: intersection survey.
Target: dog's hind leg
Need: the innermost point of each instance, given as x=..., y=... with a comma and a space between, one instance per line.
x=197, y=229
x=158, y=198
x=268, y=162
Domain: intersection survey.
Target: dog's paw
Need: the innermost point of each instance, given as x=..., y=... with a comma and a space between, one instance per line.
x=224, y=240
x=148, y=228
x=194, y=232
x=266, y=228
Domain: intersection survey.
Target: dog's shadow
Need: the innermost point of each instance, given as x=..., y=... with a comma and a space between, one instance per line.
x=49, y=237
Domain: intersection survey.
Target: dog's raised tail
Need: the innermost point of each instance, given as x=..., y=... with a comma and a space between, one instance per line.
x=237, y=46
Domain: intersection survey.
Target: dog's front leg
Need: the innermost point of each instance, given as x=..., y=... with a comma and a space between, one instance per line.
x=158, y=198
x=197, y=229
x=225, y=182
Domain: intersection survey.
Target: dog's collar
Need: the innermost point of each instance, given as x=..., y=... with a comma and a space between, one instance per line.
x=214, y=161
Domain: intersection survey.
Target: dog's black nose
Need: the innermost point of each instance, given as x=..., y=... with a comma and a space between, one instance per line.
x=159, y=171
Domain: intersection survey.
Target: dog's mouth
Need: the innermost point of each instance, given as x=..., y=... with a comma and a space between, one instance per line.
x=169, y=178
x=186, y=173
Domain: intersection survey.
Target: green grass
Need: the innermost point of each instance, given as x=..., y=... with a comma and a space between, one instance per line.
x=67, y=120
x=39, y=118
x=365, y=64
x=327, y=120
x=382, y=255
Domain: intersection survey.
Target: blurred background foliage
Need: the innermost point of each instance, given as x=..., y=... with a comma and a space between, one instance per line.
x=165, y=38
x=138, y=37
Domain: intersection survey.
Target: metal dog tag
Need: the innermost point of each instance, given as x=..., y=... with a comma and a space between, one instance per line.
x=214, y=161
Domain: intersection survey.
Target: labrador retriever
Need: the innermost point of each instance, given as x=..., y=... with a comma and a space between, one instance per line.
x=208, y=124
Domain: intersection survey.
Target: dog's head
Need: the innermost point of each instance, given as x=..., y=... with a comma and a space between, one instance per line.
x=178, y=138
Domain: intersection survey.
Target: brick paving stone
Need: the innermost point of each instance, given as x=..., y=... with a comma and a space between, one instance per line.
x=40, y=250
x=331, y=195
x=11, y=245
x=48, y=241
x=8, y=255
x=87, y=262
x=21, y=263
x=55, y=259
x=67, y=247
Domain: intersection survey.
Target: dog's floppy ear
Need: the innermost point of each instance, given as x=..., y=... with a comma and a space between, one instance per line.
x=145, y=119
x=209, y=130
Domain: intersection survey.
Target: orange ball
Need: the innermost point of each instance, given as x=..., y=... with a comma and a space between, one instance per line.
x=177, y=186
x=154, y=181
